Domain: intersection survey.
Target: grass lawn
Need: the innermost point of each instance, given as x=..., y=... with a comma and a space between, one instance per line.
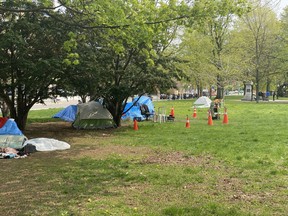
x=162, y=169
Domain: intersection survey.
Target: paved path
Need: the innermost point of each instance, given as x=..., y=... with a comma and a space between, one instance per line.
x=60, y=103
x=63, y=102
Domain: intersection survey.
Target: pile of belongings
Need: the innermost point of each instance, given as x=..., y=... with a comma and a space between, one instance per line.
x=8, y=152
x=13, y=144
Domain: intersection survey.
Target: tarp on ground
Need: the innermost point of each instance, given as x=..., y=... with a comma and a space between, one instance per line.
x=202, y=102
x=135, y=110
x=12, y=141
x=68, y=114
x=47, y=144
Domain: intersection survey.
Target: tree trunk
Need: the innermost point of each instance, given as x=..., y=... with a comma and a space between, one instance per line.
x=4, y=109
x=210, y=92
x=268, y=84
x=21, y=120
x=220, y=89
x=20, y=117
x=115, y=108
x=257, y=85
x=117, y=120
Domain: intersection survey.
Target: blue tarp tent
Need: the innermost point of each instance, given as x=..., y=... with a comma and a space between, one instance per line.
x=10, y=128
x=132, y=113
x=11, y=136
x=135, y=110
x=67, y=114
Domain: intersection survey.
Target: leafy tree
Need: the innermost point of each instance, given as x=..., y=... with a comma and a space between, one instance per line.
x=129, y=59
x=260, y=44
x=195, y=51
x=31, y=60
x=282, y=78
x=217, y=22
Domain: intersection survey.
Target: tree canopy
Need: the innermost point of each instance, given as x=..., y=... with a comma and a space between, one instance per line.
x=117, y=49
x=31, y=60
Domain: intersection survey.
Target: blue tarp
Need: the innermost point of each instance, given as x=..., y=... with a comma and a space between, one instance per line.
x=10, y=128
x=132, y=113
x=67, y=114
x=135, y=110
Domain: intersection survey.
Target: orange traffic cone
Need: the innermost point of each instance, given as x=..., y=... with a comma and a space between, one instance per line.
x=225, y=117
x=210, y=121
x=187, y=122
x=172, y=114
x=135, y=124
x=195, y=113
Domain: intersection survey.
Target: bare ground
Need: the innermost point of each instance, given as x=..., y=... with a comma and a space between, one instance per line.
x=79, y=139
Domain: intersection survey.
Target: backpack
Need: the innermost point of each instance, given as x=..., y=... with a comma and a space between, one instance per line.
x=27, y=149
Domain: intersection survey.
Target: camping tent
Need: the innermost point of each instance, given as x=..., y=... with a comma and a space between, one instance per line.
x=67, y=114
x=10, y=134
x=92, y=115
x=135, y=110
x=202, y=102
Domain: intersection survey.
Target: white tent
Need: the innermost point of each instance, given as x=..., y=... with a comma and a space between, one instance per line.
x=202, y=102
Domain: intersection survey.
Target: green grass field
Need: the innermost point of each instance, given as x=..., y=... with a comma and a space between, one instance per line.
x=162, y=169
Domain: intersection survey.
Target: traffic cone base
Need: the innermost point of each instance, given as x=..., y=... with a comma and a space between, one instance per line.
x=135, y=125
x=172, y=114
x=225, y=117
x=195, y=113
x=210, y=121
x=187, y=123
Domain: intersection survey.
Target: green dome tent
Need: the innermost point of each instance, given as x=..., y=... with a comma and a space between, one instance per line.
x=93, y=115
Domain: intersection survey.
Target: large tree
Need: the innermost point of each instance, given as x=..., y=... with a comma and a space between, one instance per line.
x=282, y=78
x=127, y=56
x=195, y=51
x=259, y=42
x=31, y=60
x=217, y=22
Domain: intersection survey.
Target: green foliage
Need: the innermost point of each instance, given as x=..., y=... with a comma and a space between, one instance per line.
x=31, y=59
x=122, y=52
x=216, y=21
x=258, y=48
x=196, y=52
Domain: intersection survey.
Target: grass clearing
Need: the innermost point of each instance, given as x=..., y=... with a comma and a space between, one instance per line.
x=161, y=169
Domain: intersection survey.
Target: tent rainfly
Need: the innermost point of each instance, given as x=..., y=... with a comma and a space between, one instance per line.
x=68, y=114
x=135, y=108
x=93, y=115
x=202, y=102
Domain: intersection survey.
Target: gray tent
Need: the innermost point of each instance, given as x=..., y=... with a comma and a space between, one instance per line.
x=93, y=115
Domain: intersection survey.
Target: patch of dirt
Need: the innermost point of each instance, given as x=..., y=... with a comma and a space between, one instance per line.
x=85, y=144
x=59, y=129
x=56, y=130
x=102, y=152
x=176, y=158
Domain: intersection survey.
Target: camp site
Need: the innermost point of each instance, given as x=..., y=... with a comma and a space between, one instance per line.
x=161, y=168
x=128, y=107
